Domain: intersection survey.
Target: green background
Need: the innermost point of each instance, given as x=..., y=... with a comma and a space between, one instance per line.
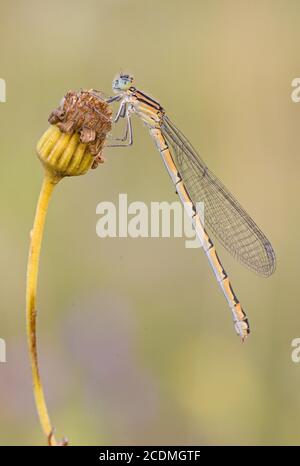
x=135, y=339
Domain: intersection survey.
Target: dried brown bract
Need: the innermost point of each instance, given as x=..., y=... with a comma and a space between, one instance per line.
x=86, y=113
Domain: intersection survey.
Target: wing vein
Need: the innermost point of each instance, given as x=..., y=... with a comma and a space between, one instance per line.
x=224, y=216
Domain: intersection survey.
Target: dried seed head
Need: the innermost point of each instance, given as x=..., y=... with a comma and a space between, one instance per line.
x=73, y=143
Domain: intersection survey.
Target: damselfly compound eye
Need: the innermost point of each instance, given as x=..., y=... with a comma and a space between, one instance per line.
x=122, y=82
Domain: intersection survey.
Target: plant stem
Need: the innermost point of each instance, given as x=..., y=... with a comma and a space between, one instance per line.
x=48, y=185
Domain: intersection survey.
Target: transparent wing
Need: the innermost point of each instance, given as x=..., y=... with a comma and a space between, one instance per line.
x=223, y=215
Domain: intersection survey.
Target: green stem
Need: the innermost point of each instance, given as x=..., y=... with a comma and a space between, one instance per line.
x=48, y=185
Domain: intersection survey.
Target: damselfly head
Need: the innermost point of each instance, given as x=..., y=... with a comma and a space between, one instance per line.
x=122, y=82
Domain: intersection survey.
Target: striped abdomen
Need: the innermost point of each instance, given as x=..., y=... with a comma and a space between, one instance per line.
x=239, y=317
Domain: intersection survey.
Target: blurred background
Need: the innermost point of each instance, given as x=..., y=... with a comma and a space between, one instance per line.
x=135, y=338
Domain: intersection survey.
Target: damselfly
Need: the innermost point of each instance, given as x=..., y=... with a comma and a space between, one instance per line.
x=194, y=183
